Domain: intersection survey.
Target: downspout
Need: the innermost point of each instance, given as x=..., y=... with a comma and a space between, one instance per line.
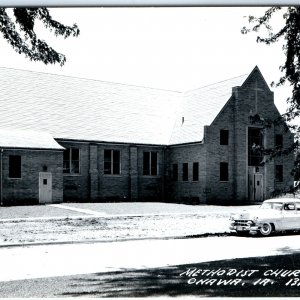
x=1, y=178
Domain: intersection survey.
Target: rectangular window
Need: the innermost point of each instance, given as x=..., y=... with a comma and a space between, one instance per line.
x=71, y=163
x=185, y=172
x=224, y=136
x=153, y=163
x=175, y=172
x=224, y=171
x=278, y=141
x=255, y=146
x=150, y=163
x=279, y=173
x=112, y=162
x=195, y=171
x=14, y=166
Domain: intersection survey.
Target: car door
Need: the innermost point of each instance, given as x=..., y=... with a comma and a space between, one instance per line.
x=290, y=216
x=298, y=214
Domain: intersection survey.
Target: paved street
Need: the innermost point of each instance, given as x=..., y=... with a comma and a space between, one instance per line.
x=144, y=267
x=70, y=259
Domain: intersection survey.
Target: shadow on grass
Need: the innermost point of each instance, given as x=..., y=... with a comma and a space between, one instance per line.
x=168, y=281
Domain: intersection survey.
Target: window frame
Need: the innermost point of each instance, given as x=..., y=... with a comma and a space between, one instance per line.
x=185, y=172
x=253, y=157
x=9, y=167
x=71, y=172
x=221, y=179
x=151, y=168
x=280, y=144
x=224, y=137
x=112, y=163
x=195, y=168
x=280, y=178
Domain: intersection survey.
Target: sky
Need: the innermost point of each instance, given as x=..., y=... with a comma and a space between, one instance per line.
x=173, y=48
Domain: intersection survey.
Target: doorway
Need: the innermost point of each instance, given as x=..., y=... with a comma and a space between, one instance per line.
x=256, y=189
x=45, y=187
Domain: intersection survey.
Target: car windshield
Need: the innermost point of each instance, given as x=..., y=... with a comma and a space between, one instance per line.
x=272, y=205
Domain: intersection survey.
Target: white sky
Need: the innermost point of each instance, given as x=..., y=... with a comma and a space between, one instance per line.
x=169, y=48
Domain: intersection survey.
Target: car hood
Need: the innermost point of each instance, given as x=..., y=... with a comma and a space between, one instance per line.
x=259, y=213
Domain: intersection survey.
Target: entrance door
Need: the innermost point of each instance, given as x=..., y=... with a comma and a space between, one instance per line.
x=255, y=187
x=258, y=190
x=45, y=187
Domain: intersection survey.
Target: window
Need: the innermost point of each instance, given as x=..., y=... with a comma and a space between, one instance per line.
x=71, y=161
x=224, y=137
x=289, y=206
x=112, y=162
x=223, y=171
x=255, y=145
x=185, y=172
x=195, y=171
x=279, y=173
x=150, y=163
x=175, y=172
x=14, y=166
x=278, y=141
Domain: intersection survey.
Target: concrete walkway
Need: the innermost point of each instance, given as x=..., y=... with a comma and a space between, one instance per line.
x=88, y=210
x=80, y=210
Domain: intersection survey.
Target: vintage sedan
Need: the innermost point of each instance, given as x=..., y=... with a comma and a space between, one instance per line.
x=280, y=214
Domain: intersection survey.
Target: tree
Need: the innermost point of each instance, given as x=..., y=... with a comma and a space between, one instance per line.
x=289, y=33
x=20, y=33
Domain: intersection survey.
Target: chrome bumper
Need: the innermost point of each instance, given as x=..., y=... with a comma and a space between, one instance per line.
x=250, y=228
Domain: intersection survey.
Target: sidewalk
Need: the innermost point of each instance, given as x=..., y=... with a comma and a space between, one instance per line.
x=75, y=210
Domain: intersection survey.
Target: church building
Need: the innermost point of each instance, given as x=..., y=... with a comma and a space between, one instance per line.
x=71, y=139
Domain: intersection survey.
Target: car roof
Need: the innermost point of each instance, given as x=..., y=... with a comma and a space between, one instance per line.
x=283, y=200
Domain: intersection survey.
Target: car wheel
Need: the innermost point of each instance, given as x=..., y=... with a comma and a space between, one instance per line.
x=266, y=229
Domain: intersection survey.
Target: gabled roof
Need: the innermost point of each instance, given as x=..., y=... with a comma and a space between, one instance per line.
x=199, y=107
x=11, y=138
x=84, y=109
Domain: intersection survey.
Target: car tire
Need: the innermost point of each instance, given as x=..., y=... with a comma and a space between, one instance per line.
x=266, y=229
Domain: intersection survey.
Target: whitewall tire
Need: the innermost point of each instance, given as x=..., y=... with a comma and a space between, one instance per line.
x=266, y=229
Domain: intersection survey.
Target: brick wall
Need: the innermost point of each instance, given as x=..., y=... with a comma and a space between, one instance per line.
x=150, y=188
x=91, y=184
x=76, y=187
x=25, y=190
x=217, y=191
x=254, y=97
x=187, y=191
x=114, y=187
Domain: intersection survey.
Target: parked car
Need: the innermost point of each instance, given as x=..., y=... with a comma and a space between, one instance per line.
x=273, y=215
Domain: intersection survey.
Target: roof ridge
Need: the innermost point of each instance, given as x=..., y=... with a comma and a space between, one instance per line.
x=93, y=79
x=211, y=84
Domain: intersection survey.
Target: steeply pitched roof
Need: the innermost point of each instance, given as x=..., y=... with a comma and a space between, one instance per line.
x=85, y=109
x=199, y=107
x=10, y=138
x=82, y=109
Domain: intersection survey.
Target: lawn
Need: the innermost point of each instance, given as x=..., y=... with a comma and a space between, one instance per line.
x=117, y=221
